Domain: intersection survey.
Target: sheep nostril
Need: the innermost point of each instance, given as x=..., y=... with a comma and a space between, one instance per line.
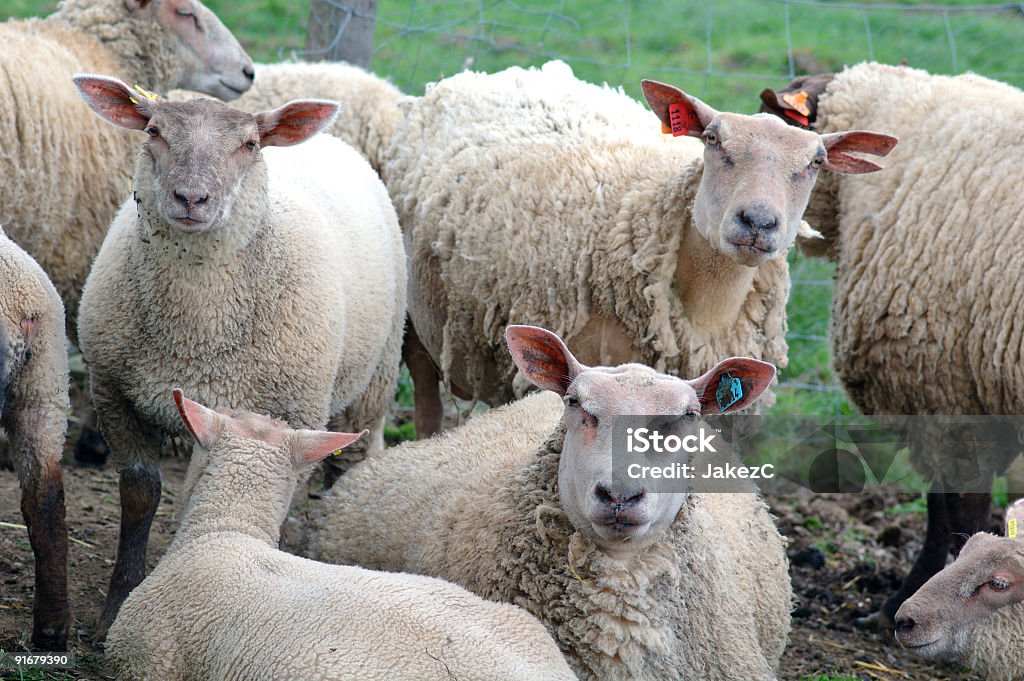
x=249, y=72
x=904, y=625
x=604, y=495
x=758, y=220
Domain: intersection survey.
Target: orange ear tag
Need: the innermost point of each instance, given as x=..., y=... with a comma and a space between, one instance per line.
x=798, y=101
x=683, y=119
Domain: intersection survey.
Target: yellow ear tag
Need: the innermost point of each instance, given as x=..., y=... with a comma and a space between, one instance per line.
x=798, y=102
x=1011, y=528
x=151, y=96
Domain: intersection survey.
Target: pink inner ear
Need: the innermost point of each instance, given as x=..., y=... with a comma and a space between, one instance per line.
x=542, y=357
x=316, y=446
x=197, y=418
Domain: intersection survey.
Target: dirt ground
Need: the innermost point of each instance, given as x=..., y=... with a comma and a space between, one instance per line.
x=847, y=553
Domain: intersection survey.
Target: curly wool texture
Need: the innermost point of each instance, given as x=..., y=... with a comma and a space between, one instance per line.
x=994, y=649
x=479, y=506
x=294, y=307
x=224, y=603
x=35, y=373
x=65, y=171
x=529, y=196
x=929, y=288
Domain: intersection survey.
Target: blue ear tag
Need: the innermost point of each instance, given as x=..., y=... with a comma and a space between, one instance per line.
x=730, y=391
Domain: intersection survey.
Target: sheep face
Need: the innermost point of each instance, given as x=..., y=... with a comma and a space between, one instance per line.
x=208, y=58
x=938, y=621
x=621, y=517
x=201, y=153
x=758, y=171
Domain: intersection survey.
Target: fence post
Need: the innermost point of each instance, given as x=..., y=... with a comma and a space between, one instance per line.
x=341, y=30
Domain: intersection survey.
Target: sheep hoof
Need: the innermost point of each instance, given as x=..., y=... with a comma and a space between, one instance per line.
x=876, y=620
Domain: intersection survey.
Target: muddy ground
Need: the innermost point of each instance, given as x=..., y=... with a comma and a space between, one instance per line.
x=847, y=553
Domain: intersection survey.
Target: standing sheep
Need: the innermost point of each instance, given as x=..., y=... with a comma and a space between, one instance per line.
x=271, y=280
x=520, y=506
x=529, y=194
x=34, y=411
x=224, y=603
x=926, y=304
x=973, y=610
x=49, y=139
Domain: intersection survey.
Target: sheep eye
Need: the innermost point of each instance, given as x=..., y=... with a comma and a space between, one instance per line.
x=188, y=13
x=153, y=131
x=817, y=162
x=710, y=138
x=571, y=401
x=251, y=145
x=691, y=416
x=999, y=584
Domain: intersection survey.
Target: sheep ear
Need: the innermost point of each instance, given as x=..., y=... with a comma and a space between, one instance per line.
x=1015, y=520
x=542, y=357
x=680, y=113
x=797, y=104
x=310, y=446
x=295, y=122
x=115, y=102
x=199, y=420
x=838, y=143
x=733, y=384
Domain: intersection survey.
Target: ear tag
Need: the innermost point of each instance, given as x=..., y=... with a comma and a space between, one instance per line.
x=798, y=117
x=798, y=102
x=729, y=392
x=1011, y=528
x=682, y=119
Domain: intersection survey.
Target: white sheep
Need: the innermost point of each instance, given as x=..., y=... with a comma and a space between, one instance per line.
x=224, y=603
x=926, y=299
x=33, y=410
x=259, y=278
x=529, y=194
x=519, y=506
x=52, y=142
x=973, y=610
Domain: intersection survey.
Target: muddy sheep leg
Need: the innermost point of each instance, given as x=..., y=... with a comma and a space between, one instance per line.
x=42, y=506
x=428, y=412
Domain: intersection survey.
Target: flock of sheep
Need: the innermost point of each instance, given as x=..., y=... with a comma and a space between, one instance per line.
x=260, y=301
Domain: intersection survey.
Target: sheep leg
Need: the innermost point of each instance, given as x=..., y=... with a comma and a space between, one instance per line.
x=42, y=506
x=428, y=412
x=968, y=514
x=930, y=560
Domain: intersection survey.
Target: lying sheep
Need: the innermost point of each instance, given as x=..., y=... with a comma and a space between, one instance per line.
x=926, y=302
x=260, y=278
x=51, y=141
x=224, y=603
x=973, y=611
x=34, y=410
x=529, y=194
x=517, y=506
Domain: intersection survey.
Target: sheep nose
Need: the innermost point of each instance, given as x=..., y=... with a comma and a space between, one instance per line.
x=188, y=198
x=904, y=625
x=757, y=219
x=620, y=499
x=249, y=72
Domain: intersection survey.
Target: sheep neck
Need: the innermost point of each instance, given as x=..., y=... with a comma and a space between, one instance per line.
x=141, y=46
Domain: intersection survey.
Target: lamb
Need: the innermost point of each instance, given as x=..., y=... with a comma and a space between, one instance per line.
x=973, y=611
x=49, y=139
x=518, y=506
x=372, y=105
x=224, y=603
x=259, y=278
x=33, y=410
x=926, y=301
x=529, y=194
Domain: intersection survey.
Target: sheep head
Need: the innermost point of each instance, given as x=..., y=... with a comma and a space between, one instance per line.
x=621, y=517
x=758, y=172
x=207, y=56
x=200, y=152
x=939, y=620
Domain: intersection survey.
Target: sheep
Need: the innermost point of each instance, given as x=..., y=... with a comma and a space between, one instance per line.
x=973, y=610
x=925, y=303
x=517, y=506
x=260, y=278
x=529, y=194
x=33, y=410
x=51, y=142
x=224, y=603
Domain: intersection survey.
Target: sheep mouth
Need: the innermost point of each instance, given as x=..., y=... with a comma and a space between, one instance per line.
x=620, y=531
x=190, y=224
x=236, y=91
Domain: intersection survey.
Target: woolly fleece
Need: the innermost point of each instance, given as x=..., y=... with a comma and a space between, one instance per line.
x=479, y=506
x=529, y=195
